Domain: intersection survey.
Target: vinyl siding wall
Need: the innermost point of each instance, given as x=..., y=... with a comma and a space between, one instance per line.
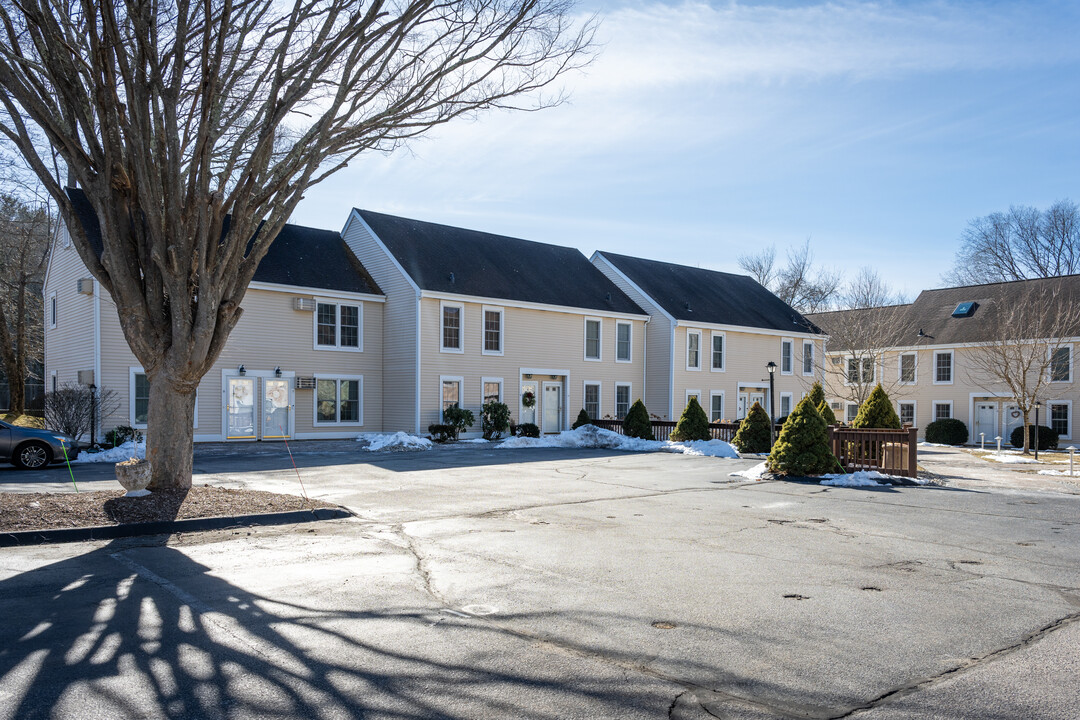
x=69, y=347
x=537, y=339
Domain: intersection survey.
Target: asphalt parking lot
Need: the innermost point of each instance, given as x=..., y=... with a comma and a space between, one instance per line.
x=484, y=583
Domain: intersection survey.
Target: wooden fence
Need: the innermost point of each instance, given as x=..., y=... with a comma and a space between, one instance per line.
x=893, y=452
x=662, y=429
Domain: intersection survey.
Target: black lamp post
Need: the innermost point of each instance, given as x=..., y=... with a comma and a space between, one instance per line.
x=771, y=367
x=93, y=414
x=1037, y=406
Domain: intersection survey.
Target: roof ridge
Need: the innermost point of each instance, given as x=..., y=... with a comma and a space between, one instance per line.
x=471, y=230
x=1001, y=282
x=677, y=265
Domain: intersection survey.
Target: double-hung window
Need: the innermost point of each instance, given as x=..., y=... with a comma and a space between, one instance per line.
x=592, y=338
x=492, y=390
x=787, y=348
x=592, y=400
x=451, y=327
x=337, y=326
x=785, y=404
x=1061, y=364
x=52, y=310
x=942, y=410
x=493, y=331
x=1059, y=419
x=853, y=370
x=451, y=394
x=622, y=400
x=907, y=413
x=807, y=358
x=908, y=367
x=943, y=367
x=140, y=399
x=693, y=349
x=337, y=401
x=623, y=334
x=718, y=352
x=716, y=409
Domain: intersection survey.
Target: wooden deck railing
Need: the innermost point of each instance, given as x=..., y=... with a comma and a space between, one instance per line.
x=893, y=452
x=662, y=428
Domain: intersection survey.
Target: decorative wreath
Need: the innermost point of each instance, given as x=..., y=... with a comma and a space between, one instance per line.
x=528, y=399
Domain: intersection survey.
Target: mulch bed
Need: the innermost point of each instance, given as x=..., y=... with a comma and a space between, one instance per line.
x=44, y=511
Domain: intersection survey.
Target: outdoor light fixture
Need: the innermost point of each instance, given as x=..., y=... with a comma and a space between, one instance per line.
x=277, y=371
x=528, y=376
x=242, y=370
x=553, y=377
x=771, y=367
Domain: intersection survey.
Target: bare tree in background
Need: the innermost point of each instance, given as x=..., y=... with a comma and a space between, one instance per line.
x=1020, y=244
x=195, y=129
x=1030, y=347
x=798, y=283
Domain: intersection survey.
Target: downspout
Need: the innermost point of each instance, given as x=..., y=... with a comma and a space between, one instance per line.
x=645, y=361
x=671, y=374
x=418, y=381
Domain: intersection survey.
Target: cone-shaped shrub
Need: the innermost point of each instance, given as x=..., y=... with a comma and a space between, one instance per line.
x=637, y=423
x=826, y=413
x=753, y=434
x=803, y=445
x=817, y=394
x=582, y=419
x=877, y=412
x=693, y=425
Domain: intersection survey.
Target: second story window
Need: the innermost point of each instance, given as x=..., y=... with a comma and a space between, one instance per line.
x=907, y=367
x=693, y=350
x=943, y=367
x=717, y=352
x=853, y=367
x=451, y=328
x=786, y=350
x=808, y=358
x=622, y=342
x=337, y=326
x=592, y=339
x=1061, y=364
x=493, y=331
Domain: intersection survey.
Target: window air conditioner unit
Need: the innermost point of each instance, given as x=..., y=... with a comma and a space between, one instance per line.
x=85, y=286
x=305, y=383
x=86, y=377
x=304, y=304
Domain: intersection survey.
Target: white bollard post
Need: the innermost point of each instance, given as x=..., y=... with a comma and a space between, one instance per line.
x=1072, y=453
x=998, y=438
x=982, y=441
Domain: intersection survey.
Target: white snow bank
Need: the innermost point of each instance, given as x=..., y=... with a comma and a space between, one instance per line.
x=590, y=436
x=867, y=478
x=117, y=454
x=1009, y=458
x=1058, y=473
x=394, y=441
x=475, y=441
x=754, y=473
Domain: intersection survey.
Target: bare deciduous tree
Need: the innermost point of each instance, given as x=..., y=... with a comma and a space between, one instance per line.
x=73, y=408
x=797, y=283
x=1021, y=358
x=195, y=129
x=1021, y=244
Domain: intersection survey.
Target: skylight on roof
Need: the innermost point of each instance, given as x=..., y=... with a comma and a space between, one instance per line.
x=964, y=309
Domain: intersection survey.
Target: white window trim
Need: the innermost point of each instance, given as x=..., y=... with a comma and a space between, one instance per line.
x=337, y=346
x=723, y=354
x=952, y=367
x=599, y=396
x=585, y=339
x=686, y=398
x=847, y=416
x=934, y=407
x=792, y=342
x=1068, y=403
x=723, y=401
x=1050, y=365
x=689, y=367
x=629, y=398
x=360, y=396
x=461, y=392
x=618, y=324
x=791, y=404
x=802, y=358
x=914, y=412
x=844, y=369
x=900, y=369
x=442, y=335
x=134, y=370
x=485, y=309
x=484, y=381
x=53, y=311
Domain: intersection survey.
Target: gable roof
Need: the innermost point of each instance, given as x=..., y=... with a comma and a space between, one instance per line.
x=300, y=256
x=707, y=296
x=446, y=259
x=933, y=312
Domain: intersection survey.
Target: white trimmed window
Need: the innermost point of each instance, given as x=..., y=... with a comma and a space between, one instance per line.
x=493, y=331
x=624, y=333
x=693, y=349
x=716, y=407
x=452, y=318
x=785, y=404
x=622, y=399
x=696, y=394
x=907, y=413
x=852, y=412
x=338, y=326
x=449, y=394
x=139, y=399
x=1061, y=364
x=787, y=350
x=338, y=400
x=592, y=338
x=943, y=367
x=853, y=367
x=592, y=400
x=943, y=410
x=492, y=390
x=908, y=368
x=807, y=358
x=718, y=352
x=52, y=310
x=1061, y=418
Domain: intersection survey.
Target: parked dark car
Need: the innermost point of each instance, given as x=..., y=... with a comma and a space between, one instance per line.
x=33, y=448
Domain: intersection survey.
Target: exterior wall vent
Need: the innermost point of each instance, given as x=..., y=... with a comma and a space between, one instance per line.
x=304, y=305
x=85, y=286
x=305, y=383
x=86, y=377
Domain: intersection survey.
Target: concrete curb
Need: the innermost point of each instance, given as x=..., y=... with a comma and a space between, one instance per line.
x=111, y=532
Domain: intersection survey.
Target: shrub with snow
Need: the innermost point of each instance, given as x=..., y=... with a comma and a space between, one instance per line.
x=877, y=412
x=694, y=423
x=637, y=424
x=582, y=419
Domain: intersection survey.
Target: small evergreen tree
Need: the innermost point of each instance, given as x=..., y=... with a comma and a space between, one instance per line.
x=693, y=424
x=582, y=419
x=494, y=419
x=637, y=423
x=803, y=445
x=458, y=418
x=817, y=394
x=753, y=435
x=827, y=413
x=877, y=412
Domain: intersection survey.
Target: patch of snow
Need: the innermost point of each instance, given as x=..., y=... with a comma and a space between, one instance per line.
x=867, y=478
x=394, y=441
x=1009, y=458
x=1059, y=473
x=590, y=436
x=475, y=441
x=930, y=444
x=117, y=454
x=754, y=473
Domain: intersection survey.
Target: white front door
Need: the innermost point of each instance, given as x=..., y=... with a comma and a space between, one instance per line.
x=240, y=408
x=551, y=410
x=1013, y=419
x=276, y=409
x=258, y=406
x=986, y=415
x=528, y=414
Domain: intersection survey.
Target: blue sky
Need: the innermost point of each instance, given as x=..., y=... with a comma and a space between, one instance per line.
x=704, y=131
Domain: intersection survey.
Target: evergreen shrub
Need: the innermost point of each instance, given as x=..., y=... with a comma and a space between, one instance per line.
x=753, y=435
x=947, y=431
x=877, y=412
x=528, y=430
x=693, y=424
x=637, y=423
x=803, y=445
x=826, y=413
x=494, y=419
x=1048, y=439
x=582, y=419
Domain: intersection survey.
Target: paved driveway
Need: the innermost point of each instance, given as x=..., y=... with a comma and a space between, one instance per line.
x=482, y=583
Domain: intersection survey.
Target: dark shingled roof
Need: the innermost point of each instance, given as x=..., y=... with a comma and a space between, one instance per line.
x=707, y=296
x=932, y=311
x=441, y=258
x=300, y=256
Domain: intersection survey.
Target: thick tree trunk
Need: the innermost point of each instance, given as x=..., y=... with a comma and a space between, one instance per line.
x=1027, y=435
x=17, y=388
x=170, y=438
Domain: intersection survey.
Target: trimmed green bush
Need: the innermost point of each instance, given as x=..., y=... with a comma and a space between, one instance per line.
x=803, y=445
x=582, y=419
x=528, y=430
x=877, y=412
x=458, y=418
x=637, y=423
x=817, y=394
x=1048, y=439
x=441, y=433
x=826, y=413
x=753, y=435
x=494, y=419
x=121, y=434
x=693, y=424
x=947, y=431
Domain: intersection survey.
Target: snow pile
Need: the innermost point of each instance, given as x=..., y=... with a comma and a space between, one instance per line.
x=754, y=473
x=117, y=454
x=868, y=478
x=394, y=441
x=590, y=436
x=930, y=444
x=1059, y=473
x=1009, y=458
x=475, y=441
